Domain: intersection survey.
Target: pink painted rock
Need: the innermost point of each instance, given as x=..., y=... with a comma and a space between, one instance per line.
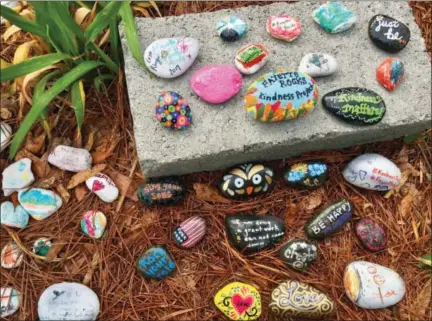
x=283, y=27
x=216, y=83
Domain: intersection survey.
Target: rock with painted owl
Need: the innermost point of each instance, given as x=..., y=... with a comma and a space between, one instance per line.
x=318, y=64
x=247, y=180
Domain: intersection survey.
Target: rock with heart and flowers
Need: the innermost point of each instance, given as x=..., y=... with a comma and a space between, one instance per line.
x=239, y=301
x=70, y=158
x=103, y=186
x=17, y=176
x=14, y=216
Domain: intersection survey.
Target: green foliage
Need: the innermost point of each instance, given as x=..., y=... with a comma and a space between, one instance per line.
x=411, y=138
x=425, y=261
x=131, y=32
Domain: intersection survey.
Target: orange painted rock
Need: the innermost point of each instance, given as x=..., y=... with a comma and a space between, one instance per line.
x=390, y=73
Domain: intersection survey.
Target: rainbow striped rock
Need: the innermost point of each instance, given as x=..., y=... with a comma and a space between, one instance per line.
x=93, y=224
x=39, y=203
x=190, y=232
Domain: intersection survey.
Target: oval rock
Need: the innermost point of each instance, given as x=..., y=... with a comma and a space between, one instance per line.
x=318, y=64
x=103, y=186
x=299, y=253
x=5, y=135
x=156, y=263
x=388, y=34
x=371, y=234
x=231, y=28
x=333, y=17
x=164, y=191
x=13, y=216
x=390, y=73
x=281, y=95
x=11, y=256
x=41, y=246
x=17, y=176
x=372, y=171
x=190, y=232
x=250, y=58
x=173, y=111
x=39, y=203
x=10, y=301
x=307, y=174
x=70, y=158
x=284, y=27
x=93, y=224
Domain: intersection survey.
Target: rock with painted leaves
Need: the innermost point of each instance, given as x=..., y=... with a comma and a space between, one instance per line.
x=70, y=158
x=250, y=58
x=17, y=176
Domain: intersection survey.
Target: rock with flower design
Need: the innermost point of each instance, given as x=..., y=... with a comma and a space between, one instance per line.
x=231, y=28
x=333, y=17
x=10, y=301
x=281, y=95
x=390, y=73
x=173, y=111
x=283, y=27
x=307, y=174
x=17, y=176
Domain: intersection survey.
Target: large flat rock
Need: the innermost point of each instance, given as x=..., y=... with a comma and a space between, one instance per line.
x=222, y=135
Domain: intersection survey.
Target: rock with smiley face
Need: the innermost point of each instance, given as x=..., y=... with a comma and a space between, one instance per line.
x=388, y=34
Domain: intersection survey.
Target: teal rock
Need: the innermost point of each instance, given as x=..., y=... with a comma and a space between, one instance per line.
x=13, y=216
x=333, y=17
x=156, y=263
x=39, y=203
x=231, y=28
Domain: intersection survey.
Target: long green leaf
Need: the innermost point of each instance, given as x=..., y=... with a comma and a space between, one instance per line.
x=43, y=101
x=102, y=20
x=24, y=24
x=99, y=81
x=66, y=17
x=131, y=32
x=30, y=65
x=108, y=61
x=114, y=39
x=78, y=102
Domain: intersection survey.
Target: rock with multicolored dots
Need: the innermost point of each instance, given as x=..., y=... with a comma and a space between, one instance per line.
x=284, y=27
x=163, y=191
x=309, y=174
x=333, y=17
x=231, y=28
x=281, y=95
x=390, y=73
x=250, y=58
x=318, y=64
x=173, y=111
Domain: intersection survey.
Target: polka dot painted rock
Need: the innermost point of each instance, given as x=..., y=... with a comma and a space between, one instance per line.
x=173, y=111
x=390, y=73
x=39, y=203
x=41, y=246
x=171, y=57
x=70, y=158
x=309, y=174
x=190, y=232
x=10, y=301
x=164, y=191
x=371, y=235
x=281, y=95
x=283, y=27
x=103, y=187
x=93, y=224
x=239, y=301
x=11, y=256
x=299, y=254
x=13, y=216
x=156, y=263
x=17, y=176
x=318, y=64
x=216, y=84
x=5, y=135
x=333, y=17
x=231, y=28
x=388, y=34
x=250, y=58
x=372, y=286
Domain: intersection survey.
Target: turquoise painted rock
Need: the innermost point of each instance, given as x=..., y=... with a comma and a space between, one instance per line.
x=41, y=246
x=14, y=216
x=39, y=203
x=333, y=17
x=17, y=176
x=156, y=263
x=307, y=174
x=231, y=28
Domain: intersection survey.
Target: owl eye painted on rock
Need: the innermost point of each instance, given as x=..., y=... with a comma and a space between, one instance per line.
x=247, y=180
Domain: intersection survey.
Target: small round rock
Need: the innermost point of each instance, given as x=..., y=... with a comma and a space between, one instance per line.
x=41, y=246
x=231, y=28
x=173, y=111
x=93, y=224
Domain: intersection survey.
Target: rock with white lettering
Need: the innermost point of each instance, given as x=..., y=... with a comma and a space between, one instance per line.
x=329, y=221
x=161, y=191
x=70, y=158
x=103, y=186
x=17, y=176
x=318, y=64
x=10, y=301
x=5, y=135
x=299, y=253
x=252, y=233
x=388, y=34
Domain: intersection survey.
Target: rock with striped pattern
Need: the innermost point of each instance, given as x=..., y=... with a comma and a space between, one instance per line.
x=190, y=232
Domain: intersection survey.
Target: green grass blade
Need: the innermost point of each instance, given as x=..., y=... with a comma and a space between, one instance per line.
x=24, y=24
x=99, y=81
x=78, y=102
x=64, y=17
x=114, y=39
x=108, y=61
x=44, y=99
x=102, y=20
x=30, y=65
x=131, y=32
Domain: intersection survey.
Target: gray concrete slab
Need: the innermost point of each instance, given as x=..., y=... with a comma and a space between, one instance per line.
x=222, y=135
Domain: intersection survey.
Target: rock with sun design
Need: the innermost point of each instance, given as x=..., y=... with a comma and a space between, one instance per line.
x=247, y=180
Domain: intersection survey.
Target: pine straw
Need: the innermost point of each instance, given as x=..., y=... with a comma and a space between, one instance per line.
x=108, y=265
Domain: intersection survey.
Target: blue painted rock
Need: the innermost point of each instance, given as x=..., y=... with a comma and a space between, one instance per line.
x=252, y=233
x=173, y=111
x=190, y=232
x=156, y=263
x=13, y=216
x=308, y=174
x=333, y=17
x=329, y=221
x=11, y=256
x=5, y=135
x=299, y=254
x=171, y=57
x=390, y=73
x=10, y=301
x=41, y=246
x=17, y=176
x=371, y=235
x=372, y=171
x=231, y=28
x=358, y=106
x=281, y=95
x=388, y=34
x=39, y=203
x=164, y=191
x=247, y=180
x=70, y=158
x=250, y=58
x=318, y=64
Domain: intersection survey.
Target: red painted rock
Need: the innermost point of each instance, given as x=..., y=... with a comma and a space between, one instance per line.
x=390, y=73
x=190, y=232
x=371, y=235
x=283, y=27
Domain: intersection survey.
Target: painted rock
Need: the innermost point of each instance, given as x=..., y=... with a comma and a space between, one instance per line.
x=93, y=224
x=239, y=301
x=164, y=191
x=333, y=17
x=5, y=135
x=68, y=301
x=173, y=111
x=11, y=256
x=190, y=232
x=39, y=203
x=17, y=176
x=388, y=33
x=231, y=28
x=171, y=57
x=41, y=246
x=216, y=83
x=247, y=180
x=329, y=221
x=299, y=253
x=283, y=27
x=281, y=95
x=70, y=158
x=372, y=171
x=103, y=187
x=250, y=58
x=318, y=64
x=156, y=263
x=358, y=106
x=371, y=234
x=10, y=301
x=252, y=233
x=390, y=73
x=372, y=286
x=308, y=174
x=13, y=216
x=293, y=299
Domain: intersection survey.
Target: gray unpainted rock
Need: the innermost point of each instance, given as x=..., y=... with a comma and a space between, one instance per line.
x=222, y=135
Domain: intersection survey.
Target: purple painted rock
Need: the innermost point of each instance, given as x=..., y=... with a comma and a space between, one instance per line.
x=371, y=234
x=190, y=232
x=216, y=83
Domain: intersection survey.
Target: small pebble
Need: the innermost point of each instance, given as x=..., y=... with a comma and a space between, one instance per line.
x=103, y=186
x=11, y=256
x=93, y=224
x=17, y=176
x=231, y=28
x=14, y=216
x=39, y=203
x=70, y=158
x=318, y=64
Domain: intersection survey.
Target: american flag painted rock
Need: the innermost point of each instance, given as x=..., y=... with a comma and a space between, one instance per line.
x=190, y=232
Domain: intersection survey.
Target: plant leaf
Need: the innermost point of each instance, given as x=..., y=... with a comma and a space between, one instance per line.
x=110, y=64
x=78, y=102
x=131, y=32
x=114, y=39
x=99, y=81
x=23, y=23
x=65, y=17
x=425, y=261
x=102, y=20
x=411, y=138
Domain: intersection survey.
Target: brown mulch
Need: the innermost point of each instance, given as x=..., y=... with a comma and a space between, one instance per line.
x=108, y=265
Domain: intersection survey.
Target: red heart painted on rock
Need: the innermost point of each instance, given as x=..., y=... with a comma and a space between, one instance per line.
x=97, y=186
x=241, y=304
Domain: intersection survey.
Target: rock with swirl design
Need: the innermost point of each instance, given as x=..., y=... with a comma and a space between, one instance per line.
x=299, y=254
x=239, y=301
x=293, y=299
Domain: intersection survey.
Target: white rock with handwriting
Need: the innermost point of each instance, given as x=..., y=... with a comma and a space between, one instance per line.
x=70, y=158
x=17, y=176
x=318, y=64
x=103, y=187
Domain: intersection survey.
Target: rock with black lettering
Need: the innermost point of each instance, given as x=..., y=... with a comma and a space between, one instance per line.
x=299, y=253
x=164, y=191
x=358, y=106
x=388, y=33
x=329, y=221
